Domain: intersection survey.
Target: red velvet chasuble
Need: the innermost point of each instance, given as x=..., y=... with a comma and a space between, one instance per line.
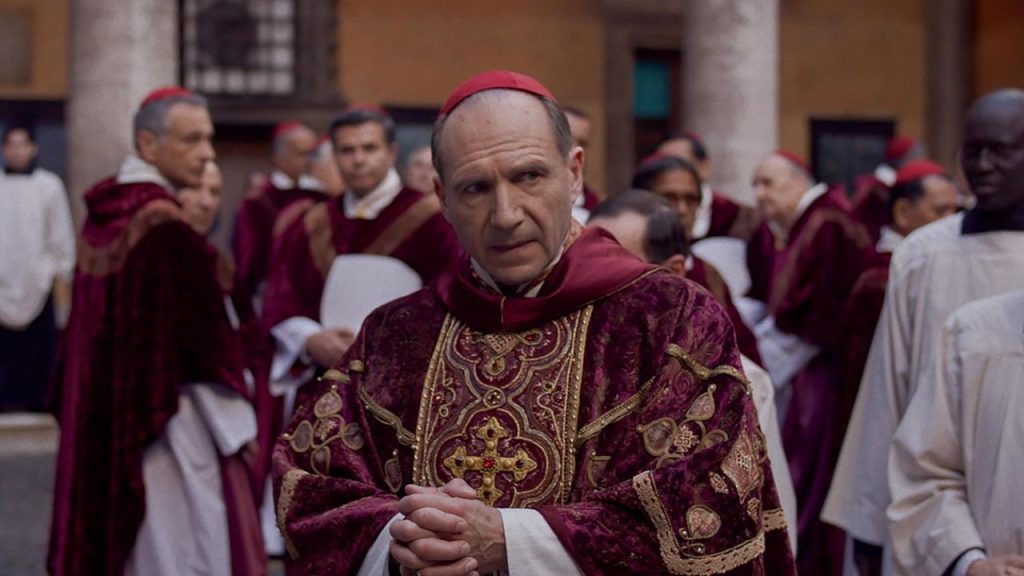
x=812, y=274
x=410, y=229
x=148, y=316
x=612, y=403
x=255, y=224
x=707, y=276
x=731, y=219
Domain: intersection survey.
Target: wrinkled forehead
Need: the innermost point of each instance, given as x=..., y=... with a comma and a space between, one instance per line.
x=497, y=114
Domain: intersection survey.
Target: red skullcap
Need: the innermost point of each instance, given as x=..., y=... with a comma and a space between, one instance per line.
x=286, y=127
x=164, y=93
x=898, y=148
x=918, y=169
x=795, y=159
x=492, y=80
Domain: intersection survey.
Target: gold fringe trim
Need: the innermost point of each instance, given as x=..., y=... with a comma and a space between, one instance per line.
x=709, y=565
x=388, y=418
x=284, y=501
x=702, y=371
x=614, y=415
x=773, y=520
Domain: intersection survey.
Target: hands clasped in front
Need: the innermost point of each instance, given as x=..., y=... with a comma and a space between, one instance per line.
x=447, y=532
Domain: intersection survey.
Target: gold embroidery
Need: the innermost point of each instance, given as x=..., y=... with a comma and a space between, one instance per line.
x=701, y=523
x=328, y=427
x=773, y=520
x=490, y=464
x=718, y=483
x=284, y=502
x=718, y=563
x=357, y=366
x=595, y=467
x=741, y=466
x=614, y=415
x=352, y=436
x=754, y=509
x=336, y=376
x=388, y=418
x=393, y=473
x=301, y=439
x=320, y=461
x=529, y=382
x=703, y=372
x=329, y=404
x=663, y=434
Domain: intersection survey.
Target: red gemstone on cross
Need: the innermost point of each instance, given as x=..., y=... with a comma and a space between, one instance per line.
x=488, y=463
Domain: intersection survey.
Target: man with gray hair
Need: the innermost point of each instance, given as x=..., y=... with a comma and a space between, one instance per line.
x=156, y=424
x=552, y=406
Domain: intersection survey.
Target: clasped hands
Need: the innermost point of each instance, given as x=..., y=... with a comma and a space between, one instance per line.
x=447, y=531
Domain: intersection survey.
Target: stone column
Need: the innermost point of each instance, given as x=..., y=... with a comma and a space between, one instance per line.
x=119, y=52
x=731, y=85
x=947, y=48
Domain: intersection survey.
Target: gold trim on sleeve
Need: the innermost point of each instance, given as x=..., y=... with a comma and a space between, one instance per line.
x=388, y=418
x=773, y=520
x=718, y=563
x=614, y=415
x=702, y=371
x=284, y=502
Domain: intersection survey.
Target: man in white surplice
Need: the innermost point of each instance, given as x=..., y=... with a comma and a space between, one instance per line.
x=955, y=464
x=938, y=269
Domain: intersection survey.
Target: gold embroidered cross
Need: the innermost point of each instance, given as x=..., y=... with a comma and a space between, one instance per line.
x=490, y=464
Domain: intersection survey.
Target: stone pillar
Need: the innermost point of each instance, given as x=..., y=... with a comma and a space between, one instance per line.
x=119, y=52
x=731, y=85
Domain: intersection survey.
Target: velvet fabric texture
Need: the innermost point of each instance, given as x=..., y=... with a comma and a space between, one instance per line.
x=871, y=206
x=707, y=276
x=731, y=219
x=148, y=316
x=612, y=403
x=255, y=225
x=410, y=229
x=813, y=270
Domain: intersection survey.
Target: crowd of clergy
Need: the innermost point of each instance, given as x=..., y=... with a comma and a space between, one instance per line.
x=474, y=363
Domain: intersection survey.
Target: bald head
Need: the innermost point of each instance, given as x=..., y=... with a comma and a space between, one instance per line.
x=779, y=183
x=992, y=156
x=293, y=150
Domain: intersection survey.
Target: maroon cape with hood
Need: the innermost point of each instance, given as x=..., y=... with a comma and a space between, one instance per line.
x=148, y=316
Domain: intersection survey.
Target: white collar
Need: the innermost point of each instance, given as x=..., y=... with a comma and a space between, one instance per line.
x=532, y=292
x=281, y=181
x=702, y=222
x=888, y=240
x=885, y=174
x=135, y=170
x=370, y=206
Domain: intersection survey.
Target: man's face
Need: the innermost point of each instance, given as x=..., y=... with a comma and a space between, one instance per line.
x=778, y=189
x=293, y=158
x=363, y=155
x=201, y=203
x=680, y=189
x=419, y=172
x=683, y=148
x=505, y=187
x=938, y=201
x=993, y=154
x=580, y=129
x=182, y=152
x=629, y=228
x=19, y=151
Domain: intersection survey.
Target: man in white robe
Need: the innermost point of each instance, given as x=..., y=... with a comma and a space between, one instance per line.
x=955, y=464
x=936, y=270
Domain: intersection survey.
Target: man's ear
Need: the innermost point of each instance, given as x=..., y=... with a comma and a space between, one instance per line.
x=439, y=192
x=901, y=219
x=147, y=144
x=577, y=159
x=676, y=264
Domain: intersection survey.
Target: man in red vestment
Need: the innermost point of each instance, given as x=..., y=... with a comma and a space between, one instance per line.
x=288, y=192
x=871, y=191
x=816, y=254
x=716, y=215
x=154, y=412
x=922, y=193
x=553, y=406
x=637, y=219
x=376, y=215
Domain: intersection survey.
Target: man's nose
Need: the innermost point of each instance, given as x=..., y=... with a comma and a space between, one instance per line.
x=507, y=212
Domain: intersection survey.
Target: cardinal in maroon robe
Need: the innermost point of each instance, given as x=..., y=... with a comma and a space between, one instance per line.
x=148, y=334
x=287, y=193
x=813, y=259
x=554, y=388
x=871, y=191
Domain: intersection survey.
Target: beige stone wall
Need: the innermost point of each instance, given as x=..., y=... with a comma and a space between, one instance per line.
x=396, y=52
x=855, y=58
x=998, y=57
x=48, y=77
